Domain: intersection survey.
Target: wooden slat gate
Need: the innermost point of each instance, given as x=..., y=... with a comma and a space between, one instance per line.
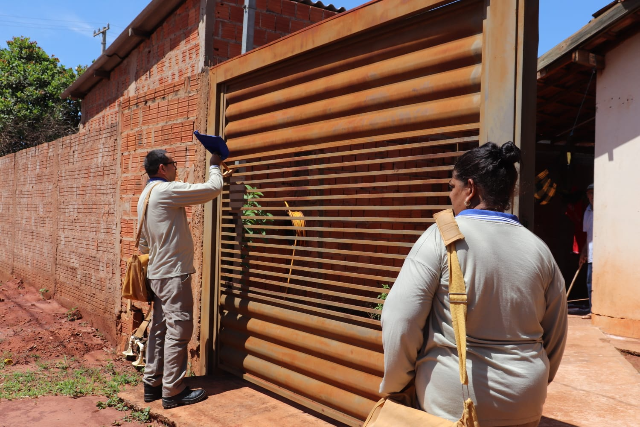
x=343, y=138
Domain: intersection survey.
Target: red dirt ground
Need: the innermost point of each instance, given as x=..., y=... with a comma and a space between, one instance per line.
x=32, y=329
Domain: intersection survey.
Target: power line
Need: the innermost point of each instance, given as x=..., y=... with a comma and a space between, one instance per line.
x=46, y=27
x=82, y=27
x=56, y=20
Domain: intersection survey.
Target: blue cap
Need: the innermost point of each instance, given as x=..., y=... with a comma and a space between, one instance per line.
x=590, y=187
x=213, y=144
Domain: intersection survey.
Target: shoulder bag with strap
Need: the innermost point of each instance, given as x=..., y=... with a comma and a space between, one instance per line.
x=397, y=410
x=134, y=285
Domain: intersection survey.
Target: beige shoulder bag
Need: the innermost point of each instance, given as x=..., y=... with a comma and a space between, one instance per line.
x=397, y=410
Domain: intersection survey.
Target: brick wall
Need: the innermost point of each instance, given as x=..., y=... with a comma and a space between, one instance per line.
x=35, y=216
x=58, y=228
x=273, y=19
x=7, y=214
x=86, y=266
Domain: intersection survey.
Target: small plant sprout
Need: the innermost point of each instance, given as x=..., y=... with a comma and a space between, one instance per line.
x=73, y=314
x=379, y=306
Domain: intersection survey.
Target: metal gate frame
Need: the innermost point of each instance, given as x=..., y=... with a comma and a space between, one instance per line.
x=507, y=113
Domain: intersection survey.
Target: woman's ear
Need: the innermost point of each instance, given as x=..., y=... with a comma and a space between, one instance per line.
x=471, y=189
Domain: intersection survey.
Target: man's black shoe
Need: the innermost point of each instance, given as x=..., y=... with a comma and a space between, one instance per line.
x=186, y=397
x=152, y=393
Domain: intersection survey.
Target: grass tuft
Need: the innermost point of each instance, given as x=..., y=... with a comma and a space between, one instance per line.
x=60, y=379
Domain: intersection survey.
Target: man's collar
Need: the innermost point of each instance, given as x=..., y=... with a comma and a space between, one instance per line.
x=157, y=178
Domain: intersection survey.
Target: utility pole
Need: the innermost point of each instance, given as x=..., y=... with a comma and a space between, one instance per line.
x=102, y=31
x=248, y=24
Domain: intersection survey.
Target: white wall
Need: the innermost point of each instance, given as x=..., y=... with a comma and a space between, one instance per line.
x=616, y=265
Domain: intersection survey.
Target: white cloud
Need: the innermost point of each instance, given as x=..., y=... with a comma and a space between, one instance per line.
x=77, y=24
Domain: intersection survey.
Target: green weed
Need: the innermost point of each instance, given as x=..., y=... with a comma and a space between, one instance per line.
x=139, y=416
x=61, y=380
x=63, y=364
x=73, y=314
x=251, y=201
x=379, y=306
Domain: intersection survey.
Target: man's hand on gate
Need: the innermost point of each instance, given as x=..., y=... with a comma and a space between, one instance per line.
x=215, y=160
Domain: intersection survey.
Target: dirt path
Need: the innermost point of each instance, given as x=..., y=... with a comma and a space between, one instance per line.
x=60, y=362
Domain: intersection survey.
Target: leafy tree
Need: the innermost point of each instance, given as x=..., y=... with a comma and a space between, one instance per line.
x=31, y=110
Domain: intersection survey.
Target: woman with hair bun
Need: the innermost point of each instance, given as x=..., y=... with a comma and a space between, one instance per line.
x=516, y=309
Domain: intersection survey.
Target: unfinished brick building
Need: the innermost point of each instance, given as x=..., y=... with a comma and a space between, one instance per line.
x=68, y=207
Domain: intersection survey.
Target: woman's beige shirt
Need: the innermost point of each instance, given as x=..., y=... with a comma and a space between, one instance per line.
x=516, y=322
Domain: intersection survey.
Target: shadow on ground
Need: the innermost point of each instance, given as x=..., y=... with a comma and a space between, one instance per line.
x=550, y=422
x=231, y=402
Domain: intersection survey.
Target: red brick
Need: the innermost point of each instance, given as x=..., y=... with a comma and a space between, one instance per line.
x=193, y=17
x=259, y=37
x=274, y=6
x=282, y=24
x=289, y=8
x=261, y=4
x=236, y=14
x=235, y=49
x=182, y=21
x=228, y=30
x=222, y=11
x=272, y=36
x=315, y=15
x=302, y=11
x=221, y=47
x=328, y=14
x=298, y=25
x=267, y=21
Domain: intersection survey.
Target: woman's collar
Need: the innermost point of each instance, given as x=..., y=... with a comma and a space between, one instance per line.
x=490, y=215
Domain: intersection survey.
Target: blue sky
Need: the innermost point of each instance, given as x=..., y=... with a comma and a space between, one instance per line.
x=64, y=28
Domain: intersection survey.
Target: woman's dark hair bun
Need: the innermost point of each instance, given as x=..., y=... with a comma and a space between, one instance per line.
x=492, y=169
x=510, y=153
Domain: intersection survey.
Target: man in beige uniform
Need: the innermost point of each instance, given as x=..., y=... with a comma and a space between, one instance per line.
x=166, y=237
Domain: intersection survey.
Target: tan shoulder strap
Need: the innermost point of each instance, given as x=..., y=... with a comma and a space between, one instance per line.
x=457, y=290
x=448, y=226
x=144, y=213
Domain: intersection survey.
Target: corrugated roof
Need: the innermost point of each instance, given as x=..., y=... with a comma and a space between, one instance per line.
x=321, y=5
